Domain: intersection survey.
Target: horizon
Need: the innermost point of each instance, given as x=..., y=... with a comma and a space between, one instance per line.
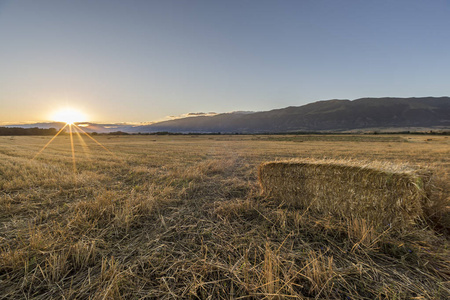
x=192, y=114
x=144, y=62
x=69, y=116
x=196, y=114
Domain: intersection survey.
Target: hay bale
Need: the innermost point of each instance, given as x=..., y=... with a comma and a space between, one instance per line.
x=384, y=195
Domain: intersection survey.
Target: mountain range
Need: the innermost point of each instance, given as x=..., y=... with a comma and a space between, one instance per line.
x=329, y=115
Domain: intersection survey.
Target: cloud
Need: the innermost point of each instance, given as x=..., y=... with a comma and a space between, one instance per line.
x=191, y=114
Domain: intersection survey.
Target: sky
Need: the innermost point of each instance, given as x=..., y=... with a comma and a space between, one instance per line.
x=142, y=61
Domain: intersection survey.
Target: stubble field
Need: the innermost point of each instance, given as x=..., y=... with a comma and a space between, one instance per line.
x=175, y=217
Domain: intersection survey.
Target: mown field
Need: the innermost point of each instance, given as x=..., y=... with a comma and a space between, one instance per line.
x=182, y=217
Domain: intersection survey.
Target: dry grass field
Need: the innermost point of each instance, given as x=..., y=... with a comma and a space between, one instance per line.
x=183, y=217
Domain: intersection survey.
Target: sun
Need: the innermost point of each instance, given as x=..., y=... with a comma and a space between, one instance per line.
x=68, y=115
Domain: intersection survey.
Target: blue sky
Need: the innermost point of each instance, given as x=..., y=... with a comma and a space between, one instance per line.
x=139, y=61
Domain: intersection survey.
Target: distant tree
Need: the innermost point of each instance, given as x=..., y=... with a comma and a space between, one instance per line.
x=118, y=133
x=27, y=131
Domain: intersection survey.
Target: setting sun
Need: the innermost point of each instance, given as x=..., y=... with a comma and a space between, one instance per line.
x=69, y=116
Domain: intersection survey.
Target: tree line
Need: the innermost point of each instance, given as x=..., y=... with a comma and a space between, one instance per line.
x=27, y=131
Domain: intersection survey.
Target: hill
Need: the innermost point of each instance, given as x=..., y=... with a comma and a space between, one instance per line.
x=331, y=115
x=383, y=114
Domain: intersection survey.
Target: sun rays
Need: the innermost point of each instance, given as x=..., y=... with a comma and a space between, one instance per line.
x=73, y=149
x=70, y=117
x=74, y=129
x=97, y=142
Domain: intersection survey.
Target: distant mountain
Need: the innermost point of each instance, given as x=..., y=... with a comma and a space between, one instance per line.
x=56, y=125
x=331, y=115
x=86, y=126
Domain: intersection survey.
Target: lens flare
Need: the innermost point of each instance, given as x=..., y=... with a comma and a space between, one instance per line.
x=73, y=128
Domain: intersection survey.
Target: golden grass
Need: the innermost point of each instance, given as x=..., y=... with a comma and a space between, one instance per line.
x=182, y=217
x=385, y=195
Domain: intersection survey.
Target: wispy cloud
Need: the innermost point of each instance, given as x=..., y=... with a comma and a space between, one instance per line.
x=191, y=114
